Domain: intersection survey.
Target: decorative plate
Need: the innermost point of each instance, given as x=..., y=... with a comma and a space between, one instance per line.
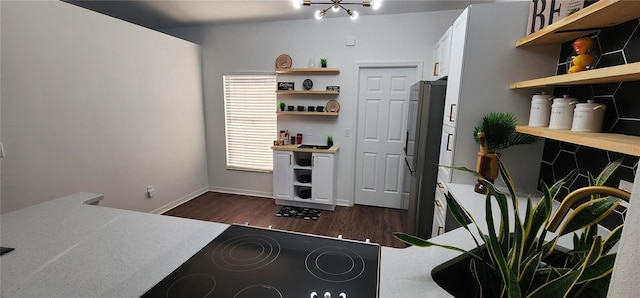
x=283, y=61
x=333, y=106
x=307, y=84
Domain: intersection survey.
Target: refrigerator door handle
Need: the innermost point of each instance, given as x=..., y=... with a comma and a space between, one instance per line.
x=408, y=166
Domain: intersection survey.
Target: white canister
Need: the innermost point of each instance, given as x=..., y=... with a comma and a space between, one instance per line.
x=540, y=110
x=588, y=117
x=562, y=112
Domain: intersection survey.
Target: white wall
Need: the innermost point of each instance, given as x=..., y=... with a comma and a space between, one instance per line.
x=92, y=103
x=243, y=47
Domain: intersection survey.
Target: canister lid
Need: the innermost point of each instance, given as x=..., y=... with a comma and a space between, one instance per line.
x=564, y=100
x=541, y=98
x=590, y=105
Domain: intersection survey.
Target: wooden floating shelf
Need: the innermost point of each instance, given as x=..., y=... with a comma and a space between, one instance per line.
x=300, y=92
x=619, y=73
x=604, y=13
x=333, y=114
x=308, y=71
x=625, y=144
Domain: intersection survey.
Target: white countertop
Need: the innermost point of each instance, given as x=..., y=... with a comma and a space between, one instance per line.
x=66, y=248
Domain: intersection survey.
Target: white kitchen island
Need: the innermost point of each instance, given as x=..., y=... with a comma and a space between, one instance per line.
x=69, y=248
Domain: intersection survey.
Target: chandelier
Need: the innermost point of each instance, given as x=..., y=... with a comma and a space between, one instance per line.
x=337, y=5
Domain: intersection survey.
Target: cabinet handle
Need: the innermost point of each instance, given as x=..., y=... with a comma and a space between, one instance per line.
x=453, y=105
x=449, y=141
x=440, y=185
x=440, y=229
x=438, y=203
x=313, y=161
x=435, y=68
x=290, y=161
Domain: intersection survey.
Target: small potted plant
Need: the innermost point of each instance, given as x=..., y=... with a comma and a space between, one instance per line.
x=282, y=105
x=323, y=62
x=497, y=131
x=329, y=141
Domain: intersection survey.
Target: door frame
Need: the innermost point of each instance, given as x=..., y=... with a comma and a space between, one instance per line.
x=417, y=64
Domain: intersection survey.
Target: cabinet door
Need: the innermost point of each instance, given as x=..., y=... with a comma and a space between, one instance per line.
x=282, y=175
x=322, y=181
x=456, y=58
x=444, y=49
x=447, y=145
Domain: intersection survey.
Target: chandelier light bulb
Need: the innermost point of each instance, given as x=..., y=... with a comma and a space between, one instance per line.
x=375, y=4
x=335, y=7
x=319, y=14
x=297, y=3
x=353, y=14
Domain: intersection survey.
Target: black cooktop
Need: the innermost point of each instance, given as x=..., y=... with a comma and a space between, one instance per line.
x=255, y=262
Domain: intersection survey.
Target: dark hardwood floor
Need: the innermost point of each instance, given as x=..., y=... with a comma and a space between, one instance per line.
x=358, y=222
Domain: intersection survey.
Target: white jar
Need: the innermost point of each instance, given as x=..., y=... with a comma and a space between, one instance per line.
x=540, y=110
x=562, y=112
x=588, y=117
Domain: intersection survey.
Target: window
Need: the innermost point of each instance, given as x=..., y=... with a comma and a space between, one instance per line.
x=250, y=120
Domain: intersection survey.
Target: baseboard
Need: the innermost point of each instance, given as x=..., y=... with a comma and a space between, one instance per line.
x=243, y=192
x=180, y=201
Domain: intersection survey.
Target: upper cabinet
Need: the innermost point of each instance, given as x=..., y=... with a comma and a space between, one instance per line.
x=604, y=13
x=441, y=53
x=479, y=66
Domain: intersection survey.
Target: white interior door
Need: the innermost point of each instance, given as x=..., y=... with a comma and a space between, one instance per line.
x=383, y=99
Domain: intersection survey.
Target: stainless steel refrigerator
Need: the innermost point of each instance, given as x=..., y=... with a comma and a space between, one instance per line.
x=422, y=150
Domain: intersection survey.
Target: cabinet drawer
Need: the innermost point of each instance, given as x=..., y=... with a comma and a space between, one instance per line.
x=447, y=145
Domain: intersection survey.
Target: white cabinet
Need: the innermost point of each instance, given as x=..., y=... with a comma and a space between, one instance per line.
x=458, y=38
x=441, y=56
x=480, y=66
x=304, y=179
x=282, y=175
x=322, y=178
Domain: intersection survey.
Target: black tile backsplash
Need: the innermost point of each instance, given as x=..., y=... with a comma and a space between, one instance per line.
x=615, y=46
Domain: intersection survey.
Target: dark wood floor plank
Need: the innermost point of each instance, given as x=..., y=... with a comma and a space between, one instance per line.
x=358, y=222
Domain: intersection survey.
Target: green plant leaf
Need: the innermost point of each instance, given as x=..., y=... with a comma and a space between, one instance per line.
x=607, y=172
x=589, y=213
x=557, y=287
x=594, y=289
x=601, y=268
x=457, y=212
x=419, y=242
x=529, y=272
x=561, y=286
x=612, y=239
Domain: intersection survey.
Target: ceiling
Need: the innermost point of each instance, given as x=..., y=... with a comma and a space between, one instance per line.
x=163, y=14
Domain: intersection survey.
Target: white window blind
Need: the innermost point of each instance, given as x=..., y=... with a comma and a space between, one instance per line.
x=250, y=120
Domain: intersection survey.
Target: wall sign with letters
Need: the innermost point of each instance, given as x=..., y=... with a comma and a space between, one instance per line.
x=543, y=13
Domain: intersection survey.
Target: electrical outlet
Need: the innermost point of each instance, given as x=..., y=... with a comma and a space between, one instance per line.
x=150, y=191
x=625, y=185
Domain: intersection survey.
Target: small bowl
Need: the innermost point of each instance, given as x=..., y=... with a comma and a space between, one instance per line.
x=320, y=108
x=291, y=108
x=300, y=109
x=311, y=108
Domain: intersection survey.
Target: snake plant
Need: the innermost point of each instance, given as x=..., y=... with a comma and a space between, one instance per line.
x=515, y=259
